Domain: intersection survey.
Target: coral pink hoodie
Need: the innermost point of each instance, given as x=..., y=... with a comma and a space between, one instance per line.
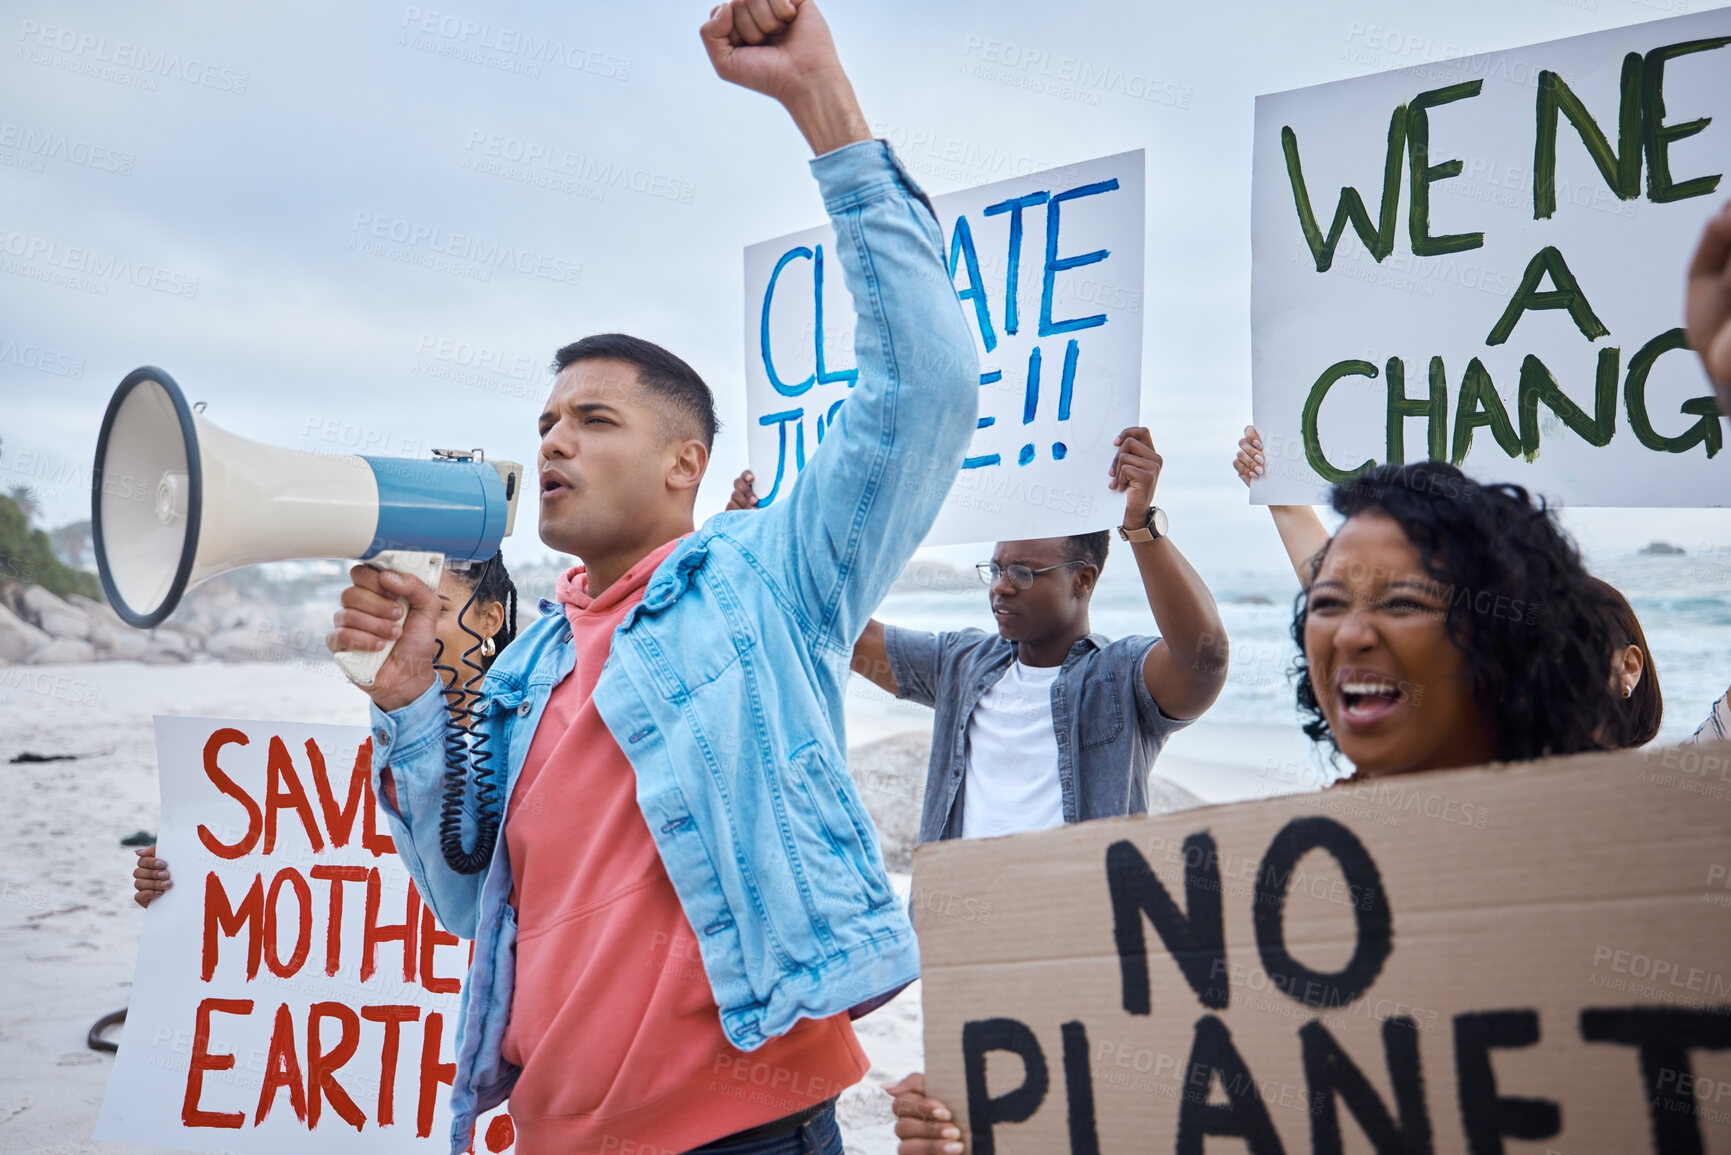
x=612, y=1018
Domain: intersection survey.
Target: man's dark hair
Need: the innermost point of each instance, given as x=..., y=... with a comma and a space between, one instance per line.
x=1090, y=547
x=1533, y=625
x=660, y=372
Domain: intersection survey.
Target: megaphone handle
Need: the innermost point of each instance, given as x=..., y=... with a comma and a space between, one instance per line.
x=362, y=666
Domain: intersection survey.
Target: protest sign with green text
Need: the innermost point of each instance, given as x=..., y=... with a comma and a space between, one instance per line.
x=1481, y=261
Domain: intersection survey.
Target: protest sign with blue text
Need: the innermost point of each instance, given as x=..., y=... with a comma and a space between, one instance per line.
x=1049, y=270
x=1481, y=260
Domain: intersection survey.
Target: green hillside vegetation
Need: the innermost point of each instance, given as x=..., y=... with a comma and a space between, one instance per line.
x=26, y=556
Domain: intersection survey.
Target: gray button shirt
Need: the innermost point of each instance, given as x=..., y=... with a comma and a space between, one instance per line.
x=1108, y=726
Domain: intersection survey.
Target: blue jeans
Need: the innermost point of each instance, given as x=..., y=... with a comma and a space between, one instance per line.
x=819, y=1136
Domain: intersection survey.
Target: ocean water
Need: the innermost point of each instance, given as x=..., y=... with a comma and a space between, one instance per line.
x=1683, y=601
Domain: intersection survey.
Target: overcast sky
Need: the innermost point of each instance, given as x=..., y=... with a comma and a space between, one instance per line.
x=236, y=158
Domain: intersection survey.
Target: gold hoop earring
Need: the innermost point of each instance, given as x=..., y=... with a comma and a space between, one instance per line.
x=487, y=649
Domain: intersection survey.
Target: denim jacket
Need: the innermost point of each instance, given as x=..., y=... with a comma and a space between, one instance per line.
x=1108, y=726
x=723, y=686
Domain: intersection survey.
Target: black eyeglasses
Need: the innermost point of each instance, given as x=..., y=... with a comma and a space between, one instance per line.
x=1020, y=575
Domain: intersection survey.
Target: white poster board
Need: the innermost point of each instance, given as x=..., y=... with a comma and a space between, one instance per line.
x=1049, y=269
x=292, y=992
x=1477, y=282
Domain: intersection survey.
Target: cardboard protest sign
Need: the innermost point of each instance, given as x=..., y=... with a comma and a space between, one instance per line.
x=292, y=993
x=1433, y=962
x=1049, y=270
x=1481, y=260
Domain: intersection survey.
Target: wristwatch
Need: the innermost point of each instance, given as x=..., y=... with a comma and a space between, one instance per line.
x=1152, y=529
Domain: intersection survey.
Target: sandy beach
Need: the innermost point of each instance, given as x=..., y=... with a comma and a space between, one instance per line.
x=69, y=930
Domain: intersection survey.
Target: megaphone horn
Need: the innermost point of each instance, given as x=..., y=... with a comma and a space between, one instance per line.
x=175, y=500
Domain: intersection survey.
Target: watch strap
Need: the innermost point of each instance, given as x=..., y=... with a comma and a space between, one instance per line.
x=1144, y=532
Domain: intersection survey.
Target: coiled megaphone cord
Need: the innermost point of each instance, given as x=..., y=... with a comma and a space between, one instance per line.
x=466, y=748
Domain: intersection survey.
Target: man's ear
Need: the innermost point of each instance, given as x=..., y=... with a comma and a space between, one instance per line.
x=1086, y=577
x=689, y=463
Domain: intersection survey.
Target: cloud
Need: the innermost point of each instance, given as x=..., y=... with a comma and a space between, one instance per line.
x=330, y=187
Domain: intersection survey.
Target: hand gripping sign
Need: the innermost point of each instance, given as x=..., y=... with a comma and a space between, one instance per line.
x=292, y=992
x=1481, y=260
x=1049, y=270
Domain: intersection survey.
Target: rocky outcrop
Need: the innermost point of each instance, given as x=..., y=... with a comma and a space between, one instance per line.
x=236, y=644
x=18, y=639
x=118, y=642
x=52, y=616
x=1167, y=797
x=38, y=629
x=169, y=645
x=63, y=651
x=891, y=776
x=113, y=639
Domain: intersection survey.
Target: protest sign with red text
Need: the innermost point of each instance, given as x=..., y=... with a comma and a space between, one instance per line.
x=292, y=991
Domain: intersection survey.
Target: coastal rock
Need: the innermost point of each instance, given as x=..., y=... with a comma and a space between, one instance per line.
x=93, y=609
x=114, y=639
x=190, y=633
x=118, y=642
x=891, y=776
x=18, y=638
x=236, y=644
x=63, y=651
x=1167, y=797
x=213, y=608
x=1661, y=549
x=168, y=645
x=52, y=616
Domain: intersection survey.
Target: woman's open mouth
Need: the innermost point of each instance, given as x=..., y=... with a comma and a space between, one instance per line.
x=1366, y=698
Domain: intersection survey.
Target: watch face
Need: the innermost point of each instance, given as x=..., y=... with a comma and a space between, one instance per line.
x=1158, y=522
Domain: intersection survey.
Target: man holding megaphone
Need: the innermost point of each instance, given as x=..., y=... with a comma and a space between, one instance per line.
x=686, y=899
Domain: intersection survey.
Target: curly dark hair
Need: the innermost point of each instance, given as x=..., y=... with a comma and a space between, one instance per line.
x=1533, y=625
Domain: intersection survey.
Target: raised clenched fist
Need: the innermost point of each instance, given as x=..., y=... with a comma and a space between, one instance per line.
x=783, y=49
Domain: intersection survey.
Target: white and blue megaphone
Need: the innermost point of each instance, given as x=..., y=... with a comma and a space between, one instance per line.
x=175, y=500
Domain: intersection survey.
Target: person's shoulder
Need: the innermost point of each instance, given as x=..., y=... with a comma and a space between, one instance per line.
x=549, y=617
x=1117, y=651
x=950, y=645
x=549, y=626
x=972, y=639
x=740, y=540
x=971, y=647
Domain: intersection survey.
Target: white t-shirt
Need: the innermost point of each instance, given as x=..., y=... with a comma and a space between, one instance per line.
x=1012, y=777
